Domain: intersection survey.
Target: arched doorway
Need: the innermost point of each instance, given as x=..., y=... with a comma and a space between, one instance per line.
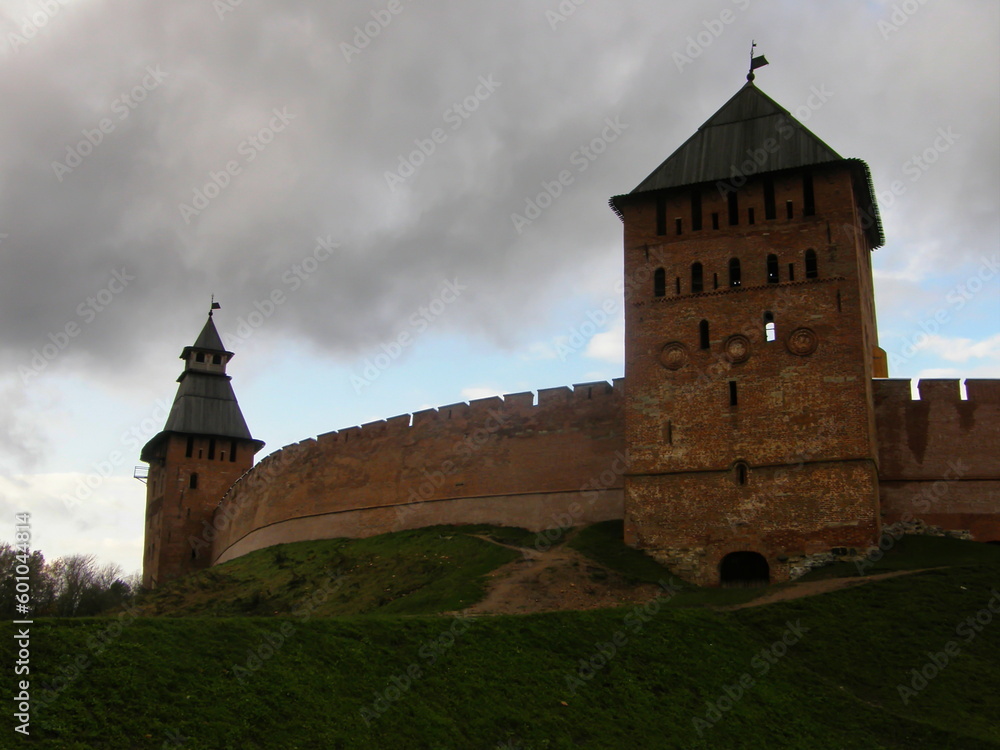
x=744, y=569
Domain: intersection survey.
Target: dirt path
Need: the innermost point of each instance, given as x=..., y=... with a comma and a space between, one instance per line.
x=812, y=588
x=561, y=578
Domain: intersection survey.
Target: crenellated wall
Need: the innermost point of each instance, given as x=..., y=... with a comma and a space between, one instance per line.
x=503, y=460
x=939, y=456
x=561, y=460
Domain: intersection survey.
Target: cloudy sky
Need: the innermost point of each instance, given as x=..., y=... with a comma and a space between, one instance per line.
x=344, y=178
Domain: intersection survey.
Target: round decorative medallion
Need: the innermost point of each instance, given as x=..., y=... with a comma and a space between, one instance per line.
x=673, y=355
x=737, y=348
x=802, y=341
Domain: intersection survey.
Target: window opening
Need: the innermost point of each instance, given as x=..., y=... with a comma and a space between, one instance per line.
x=734, y=272
x=772, y=269
x=696, y=278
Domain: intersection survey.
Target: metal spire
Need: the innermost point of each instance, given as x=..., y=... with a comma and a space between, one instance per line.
x=755, y=62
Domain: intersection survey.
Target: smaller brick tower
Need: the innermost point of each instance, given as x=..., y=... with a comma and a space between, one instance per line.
x=203, y=448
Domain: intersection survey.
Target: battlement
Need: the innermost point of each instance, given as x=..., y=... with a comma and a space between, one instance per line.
x=518, y=444
x=935, y=390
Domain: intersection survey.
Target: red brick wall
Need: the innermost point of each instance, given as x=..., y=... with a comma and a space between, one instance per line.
x=938, y=456
x=497, y=460
x=794, y=409
x=176, y=513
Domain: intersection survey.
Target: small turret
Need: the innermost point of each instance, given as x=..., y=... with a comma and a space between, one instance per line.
x=203, y=448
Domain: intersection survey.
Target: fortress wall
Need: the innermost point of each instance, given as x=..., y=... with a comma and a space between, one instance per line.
x=938, y=456
x=502, y=460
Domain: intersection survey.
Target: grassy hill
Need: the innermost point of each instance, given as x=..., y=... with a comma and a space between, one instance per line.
x=817, y=672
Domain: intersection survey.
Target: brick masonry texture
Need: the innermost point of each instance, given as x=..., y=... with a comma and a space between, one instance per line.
x=504, y=461
x=815, y=455
x=729, y=437
x=939, y=459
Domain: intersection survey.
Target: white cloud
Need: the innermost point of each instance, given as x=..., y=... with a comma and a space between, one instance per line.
x=608, y=346
x=475, y=391
x=74, y=513
x=962, y=349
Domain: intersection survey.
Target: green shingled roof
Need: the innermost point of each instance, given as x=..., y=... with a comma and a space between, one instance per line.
x=752, y=134
x=205, y=403
x=742, y=130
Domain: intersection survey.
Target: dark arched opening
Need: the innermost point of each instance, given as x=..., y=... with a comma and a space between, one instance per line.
x=696, y=278
x=744, y=569
x=659, y=282
x=703, y=334
x=734, y=272
x=772, y=269
x=812, y=266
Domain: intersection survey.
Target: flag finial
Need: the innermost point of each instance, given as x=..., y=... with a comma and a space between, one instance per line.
x=755, y=62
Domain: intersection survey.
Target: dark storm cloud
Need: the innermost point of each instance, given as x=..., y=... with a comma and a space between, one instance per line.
x=215, y=89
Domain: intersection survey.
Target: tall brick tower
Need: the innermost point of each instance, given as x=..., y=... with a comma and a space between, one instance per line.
x=203, y=448
x=750, y=347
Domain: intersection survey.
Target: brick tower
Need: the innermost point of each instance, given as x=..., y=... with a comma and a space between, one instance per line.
x=750, y=347
x=203, y=448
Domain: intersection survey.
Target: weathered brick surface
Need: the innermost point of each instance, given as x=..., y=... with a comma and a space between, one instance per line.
x=939, y=457
x=176, y=513
x=827, y=453
x=795, y=407
x=508, y=461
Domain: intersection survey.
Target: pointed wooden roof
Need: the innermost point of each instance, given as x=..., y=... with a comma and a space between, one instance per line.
x=205, y=403
x=751, y=134
x=740, y=131
x=208, y=340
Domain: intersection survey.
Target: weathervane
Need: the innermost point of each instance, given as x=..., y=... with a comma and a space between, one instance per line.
x=215, y=306
x=755, y=62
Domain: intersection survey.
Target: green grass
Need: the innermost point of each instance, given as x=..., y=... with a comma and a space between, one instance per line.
x=311, y=679
x=514, y=681
x=913, y=553
x=424, y=571
x=603, y=543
